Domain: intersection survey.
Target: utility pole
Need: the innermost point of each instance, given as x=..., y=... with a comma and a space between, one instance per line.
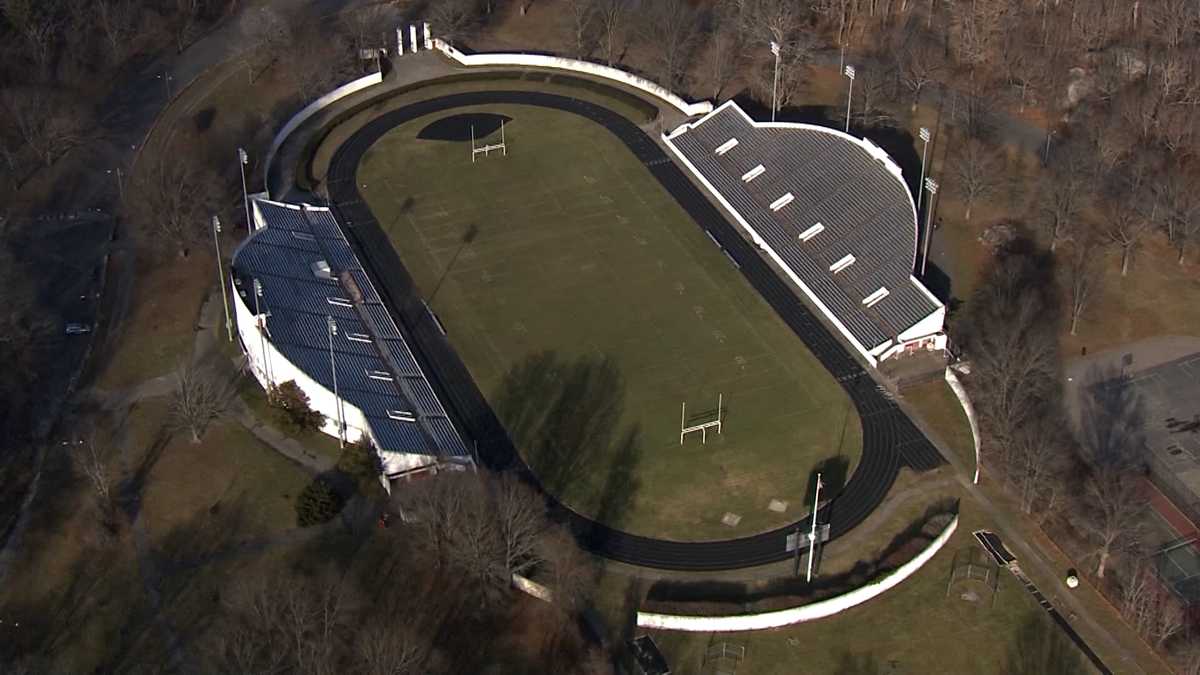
x=120, y=183
x=925, y=136
x=849, y=72
x=244, y=159
x=812, y=537
x=775, y=49
x=337, y=400
x=932, y=186
x=216, y=228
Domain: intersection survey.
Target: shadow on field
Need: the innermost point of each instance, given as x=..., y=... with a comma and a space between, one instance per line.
x=469, y=235
x=563, y=417
x=1040, y=648
x=834, y=471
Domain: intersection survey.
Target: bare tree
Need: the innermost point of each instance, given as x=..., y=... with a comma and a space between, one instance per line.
x=1083, y=279
x=368, y=27
x=579, y=20
x=199, y=399
x=1111, y=511
x=392, y=648
x=1064, y=194
x=268, y=35
x=171, y=200
x=1124, y=226
x=1014, y=350
x=918, y=61
x=566, y=570
x=454, y=19
x=95, y=469
x=118, y=22
x=1180, y=208
x=975, y=172
x=38, y=24
x=49, y=123
x=613, y=19
x=670, y=27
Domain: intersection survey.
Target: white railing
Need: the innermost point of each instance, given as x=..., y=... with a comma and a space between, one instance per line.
x=575, y=65
x=315, y=107
x=793, y=615
x=960, y=391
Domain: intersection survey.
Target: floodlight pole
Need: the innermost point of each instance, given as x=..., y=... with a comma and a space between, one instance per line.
x=503, y=145
x=812, y=537
x=775, y=49
x=243, y=159
x=472, y=143
x=932, y=186
x=1046, y=153
x=849, y=72
x=925, y=136
x=216, y=228
x=262, y=341
x=337, y=401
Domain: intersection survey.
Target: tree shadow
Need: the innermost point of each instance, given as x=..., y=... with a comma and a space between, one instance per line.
x=563, y=416
x=1039, y=648
x=834, y=472
x=861, y=664
x=1112, y=417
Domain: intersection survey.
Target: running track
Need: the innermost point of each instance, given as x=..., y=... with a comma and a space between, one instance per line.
x=890, y=439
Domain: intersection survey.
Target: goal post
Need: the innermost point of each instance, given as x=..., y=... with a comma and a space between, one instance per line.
x=487, y=149
x=702, y=427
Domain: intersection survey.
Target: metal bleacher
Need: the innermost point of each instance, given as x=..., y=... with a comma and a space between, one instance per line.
x=837, y=181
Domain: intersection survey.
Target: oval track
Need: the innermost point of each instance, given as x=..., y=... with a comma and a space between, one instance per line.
x=890, y=439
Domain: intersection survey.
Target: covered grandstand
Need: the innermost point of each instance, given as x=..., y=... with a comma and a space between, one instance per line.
x=293, y=274
x=832, y=212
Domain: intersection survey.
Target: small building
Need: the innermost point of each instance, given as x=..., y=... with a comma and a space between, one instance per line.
x=307, y=312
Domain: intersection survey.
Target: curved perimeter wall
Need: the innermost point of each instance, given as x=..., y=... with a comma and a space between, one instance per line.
x=787, y=617
x=313, y=108
x=575, y=65
x=960, y=391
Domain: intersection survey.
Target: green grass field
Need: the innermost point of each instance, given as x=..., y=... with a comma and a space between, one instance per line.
x=587, y=306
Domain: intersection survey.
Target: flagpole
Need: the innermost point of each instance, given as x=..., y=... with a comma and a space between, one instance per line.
x=812, y=537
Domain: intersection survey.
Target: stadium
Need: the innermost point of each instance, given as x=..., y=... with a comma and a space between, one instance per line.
x=662, y=314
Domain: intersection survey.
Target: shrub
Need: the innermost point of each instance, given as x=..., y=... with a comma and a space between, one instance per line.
x=292, y=407
x=359, y=461
x=317, y=504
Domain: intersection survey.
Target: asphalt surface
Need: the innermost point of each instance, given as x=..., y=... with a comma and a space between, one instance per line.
x=890, y=439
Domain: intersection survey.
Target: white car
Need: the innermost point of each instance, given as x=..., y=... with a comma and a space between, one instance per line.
x=78, y=329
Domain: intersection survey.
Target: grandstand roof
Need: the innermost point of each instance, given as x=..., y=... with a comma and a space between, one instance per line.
x=308, y=271
x=833, y=209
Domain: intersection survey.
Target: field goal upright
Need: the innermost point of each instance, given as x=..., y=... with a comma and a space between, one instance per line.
x=487, y=149
x=702, y=427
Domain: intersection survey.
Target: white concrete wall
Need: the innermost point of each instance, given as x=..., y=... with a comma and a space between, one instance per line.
x=786, y=617
x=960, y=391
x=270, y=367
x=575, y=65
x=316, y=106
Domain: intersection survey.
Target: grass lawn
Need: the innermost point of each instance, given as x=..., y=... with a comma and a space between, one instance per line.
x=914, y=628
x=587, y=305
x=943, y=414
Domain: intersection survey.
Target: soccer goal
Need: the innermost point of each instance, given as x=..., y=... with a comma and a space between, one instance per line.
x=487, y=148
x=702, y=427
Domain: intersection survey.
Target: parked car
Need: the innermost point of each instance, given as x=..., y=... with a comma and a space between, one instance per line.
x=78, y=329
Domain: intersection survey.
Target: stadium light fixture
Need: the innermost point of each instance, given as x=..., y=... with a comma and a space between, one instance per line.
x=216, y=229
x=925, y=136
x=337, y=401
x=932, y=186
x=849, y=72
x=775, y=49
x=243, y=160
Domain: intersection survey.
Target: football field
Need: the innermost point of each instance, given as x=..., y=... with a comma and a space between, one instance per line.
x=588, y=306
